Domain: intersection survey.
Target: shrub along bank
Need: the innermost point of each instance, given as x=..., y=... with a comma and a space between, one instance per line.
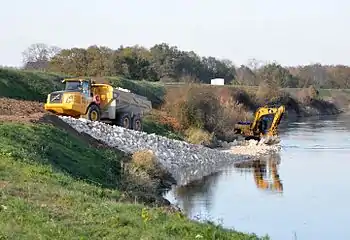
x=206, y=113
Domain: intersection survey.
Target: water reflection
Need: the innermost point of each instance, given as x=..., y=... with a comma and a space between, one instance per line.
x=200, y=193
x=197, y=191
x=265, y=172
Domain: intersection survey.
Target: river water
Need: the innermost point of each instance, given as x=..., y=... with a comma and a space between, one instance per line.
x=300, y=193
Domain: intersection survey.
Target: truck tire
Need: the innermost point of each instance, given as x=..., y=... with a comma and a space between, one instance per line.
x=137, y=123
x=125, y=120
x=93, y=113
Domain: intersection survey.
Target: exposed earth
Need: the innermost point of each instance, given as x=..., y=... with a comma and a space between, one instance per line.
x=20, y=111
x=13, y=110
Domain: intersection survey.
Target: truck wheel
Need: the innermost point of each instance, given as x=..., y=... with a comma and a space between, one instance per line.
x=124, y=121
x=94, y=113
x=137, y=123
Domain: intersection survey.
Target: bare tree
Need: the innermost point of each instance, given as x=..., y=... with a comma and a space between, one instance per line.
x=255, y=64
x=37, y=55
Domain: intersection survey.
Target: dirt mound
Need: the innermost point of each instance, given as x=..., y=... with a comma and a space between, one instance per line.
x=13, y=110
x=20, y=111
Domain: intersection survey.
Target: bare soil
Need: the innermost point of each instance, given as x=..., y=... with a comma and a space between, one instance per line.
x=14, y=110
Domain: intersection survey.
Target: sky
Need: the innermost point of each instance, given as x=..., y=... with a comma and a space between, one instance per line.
x=288, y=32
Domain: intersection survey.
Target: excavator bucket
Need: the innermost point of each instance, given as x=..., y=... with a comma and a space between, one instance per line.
x=270, y=140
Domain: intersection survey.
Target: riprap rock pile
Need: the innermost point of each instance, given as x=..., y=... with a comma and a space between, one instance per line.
x=186, y=162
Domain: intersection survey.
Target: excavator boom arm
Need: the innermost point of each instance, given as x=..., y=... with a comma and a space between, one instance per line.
x=276, y=121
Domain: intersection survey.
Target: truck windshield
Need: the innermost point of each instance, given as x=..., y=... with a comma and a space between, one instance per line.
x=73, y=85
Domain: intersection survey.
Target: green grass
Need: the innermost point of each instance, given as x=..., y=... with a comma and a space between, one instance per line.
x=53, y=186
x=28, y=85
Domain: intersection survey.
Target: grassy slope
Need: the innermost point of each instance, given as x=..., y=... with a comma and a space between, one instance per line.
x=42, y=198
x=35, y=85
x=28, y=85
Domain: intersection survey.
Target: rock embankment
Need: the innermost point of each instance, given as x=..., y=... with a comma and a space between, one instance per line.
x=186, y=162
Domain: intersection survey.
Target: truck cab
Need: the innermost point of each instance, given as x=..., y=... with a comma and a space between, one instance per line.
x=73, y=100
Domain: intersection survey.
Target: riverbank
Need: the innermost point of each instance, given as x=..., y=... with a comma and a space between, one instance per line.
x=312, y=148
x=204, y=114
x=51, y=178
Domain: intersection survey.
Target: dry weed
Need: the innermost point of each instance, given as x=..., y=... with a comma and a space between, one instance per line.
x=267, y=93
x=306, y=95
x=199, y=136
x=213, y=109
x=144, y=160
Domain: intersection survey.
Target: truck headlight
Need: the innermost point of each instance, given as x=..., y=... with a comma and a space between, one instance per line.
x=70, y=99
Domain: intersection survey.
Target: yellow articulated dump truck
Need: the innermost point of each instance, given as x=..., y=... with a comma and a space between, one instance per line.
x=84, y=98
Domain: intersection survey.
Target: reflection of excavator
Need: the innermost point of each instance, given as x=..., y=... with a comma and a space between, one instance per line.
x=265, y=172
x=261, y=170
x=264, y=125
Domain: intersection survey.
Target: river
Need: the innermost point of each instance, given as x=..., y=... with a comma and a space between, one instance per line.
x=309, y=199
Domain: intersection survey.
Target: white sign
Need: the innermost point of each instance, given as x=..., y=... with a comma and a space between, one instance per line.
x=217, y=81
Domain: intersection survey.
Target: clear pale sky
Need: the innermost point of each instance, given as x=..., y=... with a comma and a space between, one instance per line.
x=289, y=32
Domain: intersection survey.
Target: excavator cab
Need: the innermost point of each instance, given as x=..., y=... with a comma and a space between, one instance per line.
x=265, y=123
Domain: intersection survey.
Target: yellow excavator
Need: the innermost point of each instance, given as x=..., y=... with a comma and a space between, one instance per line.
x=264, y=126
x=83, y=97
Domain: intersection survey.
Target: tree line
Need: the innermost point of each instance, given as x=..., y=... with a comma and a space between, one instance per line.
x=166, y=63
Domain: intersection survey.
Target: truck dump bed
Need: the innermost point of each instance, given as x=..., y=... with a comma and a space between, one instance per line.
x=131, y=102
